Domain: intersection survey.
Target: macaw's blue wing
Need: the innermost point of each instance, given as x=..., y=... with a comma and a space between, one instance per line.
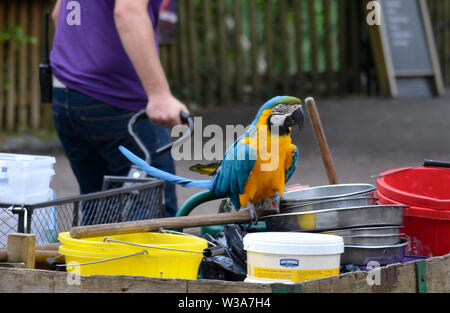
x=234, y=171
x=291, y=169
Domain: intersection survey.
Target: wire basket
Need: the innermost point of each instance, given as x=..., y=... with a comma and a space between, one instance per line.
x=136, y=200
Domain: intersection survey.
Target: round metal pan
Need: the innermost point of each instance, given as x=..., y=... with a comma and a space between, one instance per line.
x=329, y=192
x=374, y=240
x=322, y=220
x=327, y=204
x=382, y=254
x=367, y=231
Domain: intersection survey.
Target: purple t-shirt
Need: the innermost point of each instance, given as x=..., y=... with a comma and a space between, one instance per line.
x=88, y=56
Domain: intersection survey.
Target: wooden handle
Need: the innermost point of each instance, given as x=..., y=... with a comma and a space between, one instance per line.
x=321, y=140
x=166, y=223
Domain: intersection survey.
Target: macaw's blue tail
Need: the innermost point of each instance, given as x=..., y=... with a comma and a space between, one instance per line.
x=152, y=171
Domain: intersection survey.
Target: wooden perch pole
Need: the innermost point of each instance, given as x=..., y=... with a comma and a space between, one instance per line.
x=321, y=140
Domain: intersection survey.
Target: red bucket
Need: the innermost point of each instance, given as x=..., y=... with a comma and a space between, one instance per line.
x=426, y=191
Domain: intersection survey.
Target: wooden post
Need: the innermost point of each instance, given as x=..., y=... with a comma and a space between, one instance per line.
x=21, y=248
x=11, y=72
x=2, y=57
x=269, y=46
x=298, y=25
x=321, y=140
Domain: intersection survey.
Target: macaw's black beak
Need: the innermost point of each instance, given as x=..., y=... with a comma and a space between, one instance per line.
x=296, y=118
x=299, y=117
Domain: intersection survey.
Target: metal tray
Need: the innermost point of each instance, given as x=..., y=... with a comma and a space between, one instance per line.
x=327, y=204
x=322, y=220
x=374, y=240
x=366, y=231
x=382, y=254
x=329, y=192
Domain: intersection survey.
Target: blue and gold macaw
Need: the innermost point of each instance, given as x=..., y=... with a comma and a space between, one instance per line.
x=257, y=165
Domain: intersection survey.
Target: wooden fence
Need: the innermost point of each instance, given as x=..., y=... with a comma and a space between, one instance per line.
x=227, y=52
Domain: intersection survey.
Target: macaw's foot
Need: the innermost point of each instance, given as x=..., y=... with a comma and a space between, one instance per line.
x=268, y=206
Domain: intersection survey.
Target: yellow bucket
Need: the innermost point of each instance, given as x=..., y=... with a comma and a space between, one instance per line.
x=141, y=254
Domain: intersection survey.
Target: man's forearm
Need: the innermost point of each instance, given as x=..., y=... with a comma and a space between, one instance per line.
x=137, y=35
x=55, y=13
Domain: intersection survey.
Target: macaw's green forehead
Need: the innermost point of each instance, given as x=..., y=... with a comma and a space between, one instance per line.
x=281, y=100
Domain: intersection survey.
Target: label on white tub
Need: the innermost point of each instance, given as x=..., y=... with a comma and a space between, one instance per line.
x=294, y=275
x=289, y=262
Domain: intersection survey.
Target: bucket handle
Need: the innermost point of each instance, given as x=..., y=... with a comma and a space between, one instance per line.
x=53, y=263
x=208, y=252
x=107, y=239
x=426, y=163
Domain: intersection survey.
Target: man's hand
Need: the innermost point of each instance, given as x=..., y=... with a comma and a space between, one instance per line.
x=164, y=110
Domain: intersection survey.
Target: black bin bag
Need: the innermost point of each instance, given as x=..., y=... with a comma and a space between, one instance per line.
x=230, y=265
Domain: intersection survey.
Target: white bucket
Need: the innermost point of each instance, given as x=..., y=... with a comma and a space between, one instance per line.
x=291, y=257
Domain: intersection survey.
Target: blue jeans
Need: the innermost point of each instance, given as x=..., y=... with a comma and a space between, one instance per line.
x=91, y=132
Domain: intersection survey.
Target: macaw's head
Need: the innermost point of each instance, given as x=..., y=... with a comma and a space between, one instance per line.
x=283, y=113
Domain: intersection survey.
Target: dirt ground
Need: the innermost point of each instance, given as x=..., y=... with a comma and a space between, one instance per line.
x=366, y=136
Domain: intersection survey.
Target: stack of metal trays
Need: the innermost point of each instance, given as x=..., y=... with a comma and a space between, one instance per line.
x=370, y=231
x=383, y=245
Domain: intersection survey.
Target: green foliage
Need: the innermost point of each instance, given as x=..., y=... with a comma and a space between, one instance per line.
x=17, y=35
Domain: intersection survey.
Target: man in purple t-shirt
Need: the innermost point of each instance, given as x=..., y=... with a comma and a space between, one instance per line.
x=106, y=66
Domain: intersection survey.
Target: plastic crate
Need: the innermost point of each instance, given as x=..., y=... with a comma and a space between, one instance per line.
x=24, y=178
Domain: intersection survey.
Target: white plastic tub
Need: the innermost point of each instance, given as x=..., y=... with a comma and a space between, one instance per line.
x=24, y=185
x=289, y=258
x=24, y=176
x=23, y=163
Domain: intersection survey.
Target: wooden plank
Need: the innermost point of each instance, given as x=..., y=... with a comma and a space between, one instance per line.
x=329, y=88
x=2, y=60
x=239, y=57
x=165, y=223
x=314, y=46
x=193, y=51
x=183, y=50
x=218, y=287
x=342, y=39
x=355, y=48
x=438, y=82
x=24, y=67
x=223, y=52
x=298, y=26
x=392, y=278
x=42, y=281
x=252, y=8
x=173, y=65
x=35, y=102
x=11, y=93
x=269, y=46
x=284, y=53
x=383, y=59
x=21, y=248
x=208, y=44
x=438, y=274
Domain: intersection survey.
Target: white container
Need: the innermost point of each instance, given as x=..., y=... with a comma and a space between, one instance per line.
x=290, y=258
x=23, y=163
x=24, y=185
x=23, y=176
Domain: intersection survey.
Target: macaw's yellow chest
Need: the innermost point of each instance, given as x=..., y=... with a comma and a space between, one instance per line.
x=274, y=156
